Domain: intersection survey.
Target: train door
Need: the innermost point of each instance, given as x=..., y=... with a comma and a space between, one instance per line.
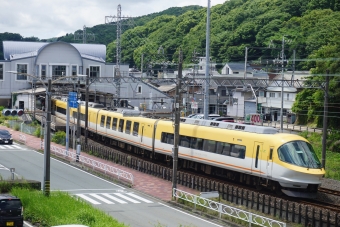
x=270, y=162
x=258, y=168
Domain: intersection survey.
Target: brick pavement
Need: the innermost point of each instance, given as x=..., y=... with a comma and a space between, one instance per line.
x=145, y=183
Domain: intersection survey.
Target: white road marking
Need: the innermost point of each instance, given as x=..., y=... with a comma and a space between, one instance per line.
x=101, y=198
x=126, y=198
x=88, y=199
x=114, y=198
x=138, y=197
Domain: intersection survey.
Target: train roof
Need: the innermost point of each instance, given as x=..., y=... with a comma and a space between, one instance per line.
x=230, y=125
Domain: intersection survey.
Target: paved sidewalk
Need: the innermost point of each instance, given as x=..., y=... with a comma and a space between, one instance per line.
x=145, y=183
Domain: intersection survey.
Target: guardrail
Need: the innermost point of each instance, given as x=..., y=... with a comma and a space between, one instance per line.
x=93, y=163
x=251, y=218
x=22, y=138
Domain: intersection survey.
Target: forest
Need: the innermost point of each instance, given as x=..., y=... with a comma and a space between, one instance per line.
x=310, y=30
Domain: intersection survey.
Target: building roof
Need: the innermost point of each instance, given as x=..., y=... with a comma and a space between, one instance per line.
x=235, y=66
x=19, y=49
x=30, y=91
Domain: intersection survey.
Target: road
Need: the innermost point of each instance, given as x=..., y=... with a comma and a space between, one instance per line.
x=124, y=204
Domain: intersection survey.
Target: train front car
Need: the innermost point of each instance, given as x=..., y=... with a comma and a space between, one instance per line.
x=298, y=169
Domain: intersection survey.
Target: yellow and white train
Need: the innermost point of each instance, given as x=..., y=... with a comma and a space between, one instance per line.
x=254, y=155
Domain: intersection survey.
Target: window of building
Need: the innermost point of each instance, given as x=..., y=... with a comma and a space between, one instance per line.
x=1, y=72
x=58, y=70
x=287, y=96
x=223, y=92
x=94, y=71
x=21, y=68
x=74, y=70
x=43, y=71
x=139, y=89
x=272, y=95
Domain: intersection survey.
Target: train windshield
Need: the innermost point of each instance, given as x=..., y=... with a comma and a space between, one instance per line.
x=299, y=153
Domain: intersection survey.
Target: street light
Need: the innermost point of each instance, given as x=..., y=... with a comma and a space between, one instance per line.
x=47, y=136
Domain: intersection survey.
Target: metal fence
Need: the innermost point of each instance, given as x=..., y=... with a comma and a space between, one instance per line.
x=22, y=127
x=223, y=209
x=96, y=165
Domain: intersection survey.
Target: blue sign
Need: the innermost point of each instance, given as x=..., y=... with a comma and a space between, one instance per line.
x=72, y=100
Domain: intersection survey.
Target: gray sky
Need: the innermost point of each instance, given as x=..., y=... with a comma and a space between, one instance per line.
x=54, y=18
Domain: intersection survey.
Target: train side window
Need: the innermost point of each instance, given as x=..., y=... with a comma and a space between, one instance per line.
x=271, y=153
x=114, y=124
x=200, y=144
x=193, y=143
x=128, y=127
x=108, y=122
x=135, y=128
x=238, y=151
x=209, y=145
x=223, y=148
x=170, y=139
x=102, y=121
x=184, y=141
x=121, y=125
x=164, y=137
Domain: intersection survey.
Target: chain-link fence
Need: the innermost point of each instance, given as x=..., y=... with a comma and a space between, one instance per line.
x=22, y=127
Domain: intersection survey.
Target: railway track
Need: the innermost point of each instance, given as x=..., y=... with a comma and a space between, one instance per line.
x=329, y=191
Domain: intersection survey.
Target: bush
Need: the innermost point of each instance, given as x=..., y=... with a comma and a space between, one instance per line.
x=16, y=127
x=37, y=132
x=59, y=137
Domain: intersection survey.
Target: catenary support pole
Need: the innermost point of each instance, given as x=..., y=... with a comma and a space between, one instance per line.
x=177, y=121
x=86, y=108
x=78, y=123
x=67, y=127
x=324, y=131
x=282, y=81
x=207, y=65
x=47, y=154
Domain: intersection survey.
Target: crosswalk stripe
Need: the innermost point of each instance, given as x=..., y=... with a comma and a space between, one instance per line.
x=101, y=198
x=113, y=198
x=16, y=146
x=88, y=199
x=126, y=198
x=10, y=147
x=138, y=197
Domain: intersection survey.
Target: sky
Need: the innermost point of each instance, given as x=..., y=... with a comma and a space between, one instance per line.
x=54, y=18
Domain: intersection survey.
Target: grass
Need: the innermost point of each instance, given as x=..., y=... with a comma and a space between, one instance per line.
x=332, y=158
x=60, y=209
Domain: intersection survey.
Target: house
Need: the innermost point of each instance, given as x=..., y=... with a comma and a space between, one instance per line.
x=59, y=61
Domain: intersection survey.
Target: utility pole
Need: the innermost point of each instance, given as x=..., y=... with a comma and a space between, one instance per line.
x=177, y=121
x=207, y=68
x=324, y=131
